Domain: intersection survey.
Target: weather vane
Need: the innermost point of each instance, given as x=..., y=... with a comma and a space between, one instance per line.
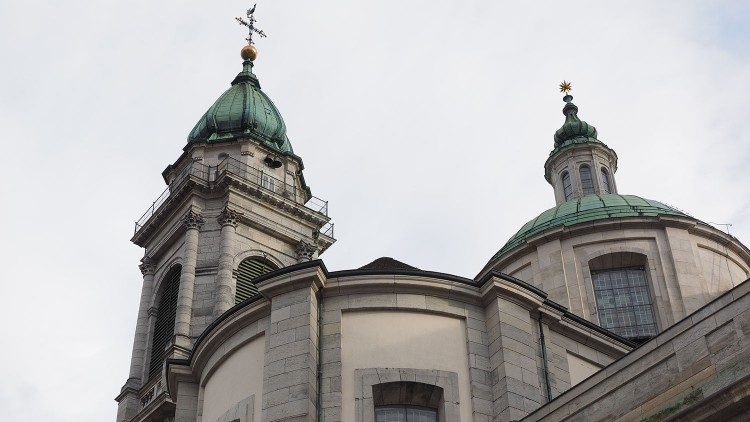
x=565, y=87
x=250, y=24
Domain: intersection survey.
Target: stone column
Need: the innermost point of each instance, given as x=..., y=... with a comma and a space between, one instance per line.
x=225, y=283
x=137, y=360
x=127, y=402
x=306, y=251
x=193, y=222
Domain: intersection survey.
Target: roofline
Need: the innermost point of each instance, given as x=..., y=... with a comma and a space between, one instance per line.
x=418, y=273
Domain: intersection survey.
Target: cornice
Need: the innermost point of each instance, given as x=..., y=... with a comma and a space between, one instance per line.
x=221, y=186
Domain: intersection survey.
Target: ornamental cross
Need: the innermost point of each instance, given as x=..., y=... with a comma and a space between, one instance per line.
x=250, y=24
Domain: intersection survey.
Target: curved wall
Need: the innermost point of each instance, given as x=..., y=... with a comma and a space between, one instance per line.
x=487, y=349
x=398, y=339
x=237, y=378
x=686, y=267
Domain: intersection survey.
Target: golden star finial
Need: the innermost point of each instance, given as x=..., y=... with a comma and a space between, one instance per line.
x=565, y=87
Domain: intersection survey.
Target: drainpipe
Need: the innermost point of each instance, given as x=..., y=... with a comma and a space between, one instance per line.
x=320, y=355
x=544, y=359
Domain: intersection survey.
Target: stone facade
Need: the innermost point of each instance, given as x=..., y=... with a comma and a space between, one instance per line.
x=219, y=209
x=494, y=365
x=688, y=264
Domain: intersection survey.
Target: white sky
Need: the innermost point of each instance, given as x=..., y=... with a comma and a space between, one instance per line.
x=424, y=123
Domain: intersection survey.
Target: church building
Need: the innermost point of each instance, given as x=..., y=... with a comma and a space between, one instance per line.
x=608, y=306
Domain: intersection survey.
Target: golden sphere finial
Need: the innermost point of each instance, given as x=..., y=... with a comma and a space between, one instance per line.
x=249, y=52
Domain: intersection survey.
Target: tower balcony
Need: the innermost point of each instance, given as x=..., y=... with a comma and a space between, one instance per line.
x=233, y=172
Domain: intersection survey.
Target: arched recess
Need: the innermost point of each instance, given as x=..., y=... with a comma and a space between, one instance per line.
x=624, y=295
x=163, y=329
x=249, y=269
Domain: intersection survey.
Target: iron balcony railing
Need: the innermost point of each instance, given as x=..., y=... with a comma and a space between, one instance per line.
x=233, y=167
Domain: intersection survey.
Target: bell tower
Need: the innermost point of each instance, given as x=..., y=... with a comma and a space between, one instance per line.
x=236, y=206
x=580, y=164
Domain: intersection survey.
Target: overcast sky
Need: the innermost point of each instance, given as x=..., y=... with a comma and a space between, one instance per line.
x=426, y=125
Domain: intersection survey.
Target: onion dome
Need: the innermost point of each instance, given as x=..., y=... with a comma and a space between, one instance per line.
x=588, y=209
x=574, y=128
x=243, y=111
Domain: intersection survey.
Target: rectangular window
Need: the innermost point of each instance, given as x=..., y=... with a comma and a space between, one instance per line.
x=268, y=182
x=624, y=303
x=404, y=414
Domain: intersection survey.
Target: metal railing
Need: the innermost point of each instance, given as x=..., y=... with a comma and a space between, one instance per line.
x=327, y=230
x=231, y=166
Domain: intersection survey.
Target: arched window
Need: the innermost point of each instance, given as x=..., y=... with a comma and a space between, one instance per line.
x=605, y=181
x=165, y=314
x=623, y=298
x=250, y=269
x=567, y=186
x=587, y=184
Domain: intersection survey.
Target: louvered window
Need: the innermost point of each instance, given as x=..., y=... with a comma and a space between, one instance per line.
x=248, y=271
x=165, y=314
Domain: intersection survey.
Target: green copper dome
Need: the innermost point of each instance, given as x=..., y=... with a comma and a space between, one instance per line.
x=573, y=128
x=240, y=112
x=587, y=209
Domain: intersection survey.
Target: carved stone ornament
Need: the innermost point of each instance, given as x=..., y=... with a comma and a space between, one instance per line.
x=147, y=266
x=305, y=251
x=193, y=220
x=229, y=217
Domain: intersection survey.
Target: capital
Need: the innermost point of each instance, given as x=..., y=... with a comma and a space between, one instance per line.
x=305, y=251
x=193, y=220
x=229, y=217
x=147, y=266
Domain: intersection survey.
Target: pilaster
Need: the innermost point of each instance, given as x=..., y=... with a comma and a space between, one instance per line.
x=516, y=386
x=186, y=409
x=225, y=283
x=306, y=251
x=192, y=222
x=138, y=358
x=290, y=389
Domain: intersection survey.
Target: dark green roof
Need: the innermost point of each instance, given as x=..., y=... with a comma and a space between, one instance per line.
x=586, y=209
x=574, y=130
x=243, y=111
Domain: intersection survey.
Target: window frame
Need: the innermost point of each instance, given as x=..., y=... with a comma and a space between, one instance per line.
x=606, y=185
x=586, y=189
x=619, y=309
x=406, y=408
x=567, y=187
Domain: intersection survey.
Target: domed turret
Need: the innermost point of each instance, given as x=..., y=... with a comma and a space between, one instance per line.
x=243, y=111
x=579, y=164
